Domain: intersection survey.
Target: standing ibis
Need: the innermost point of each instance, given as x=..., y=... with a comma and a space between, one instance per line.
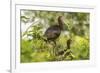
x=53, y=32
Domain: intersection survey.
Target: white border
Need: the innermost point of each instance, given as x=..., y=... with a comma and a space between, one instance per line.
x=15, y=61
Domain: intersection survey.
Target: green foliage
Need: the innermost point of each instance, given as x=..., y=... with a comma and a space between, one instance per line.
x=80, y=48
x=37, y=50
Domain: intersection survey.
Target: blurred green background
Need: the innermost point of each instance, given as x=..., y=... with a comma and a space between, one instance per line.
x=34, y=25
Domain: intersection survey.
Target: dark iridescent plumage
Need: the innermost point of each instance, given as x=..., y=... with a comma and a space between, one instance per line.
x=53, y=32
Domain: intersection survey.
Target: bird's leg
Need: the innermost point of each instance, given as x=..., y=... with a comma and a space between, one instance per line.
x=54, y=47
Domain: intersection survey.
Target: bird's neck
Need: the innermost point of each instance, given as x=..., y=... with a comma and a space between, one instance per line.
x=60, y=22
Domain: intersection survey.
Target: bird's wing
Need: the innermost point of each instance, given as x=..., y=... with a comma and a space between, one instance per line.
x=52, y=32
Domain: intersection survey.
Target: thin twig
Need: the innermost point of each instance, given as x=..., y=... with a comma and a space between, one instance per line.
x=28, y=28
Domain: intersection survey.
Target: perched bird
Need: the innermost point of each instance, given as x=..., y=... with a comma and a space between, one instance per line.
x=68, y=47
x=53, y=32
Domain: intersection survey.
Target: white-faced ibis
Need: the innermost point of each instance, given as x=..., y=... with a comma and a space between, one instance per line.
x=68, y=44
x=53, y=32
